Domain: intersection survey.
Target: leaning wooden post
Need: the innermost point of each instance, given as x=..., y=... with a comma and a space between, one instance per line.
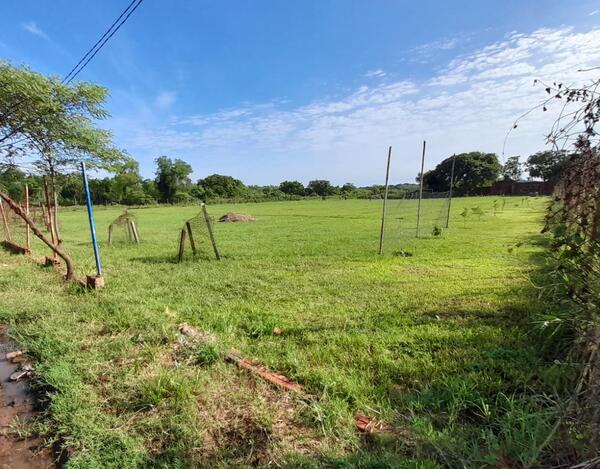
x=420, y=188
x=5, y=223
x=210, y=232
x=55, y=216
x=50, y=216
x=188, y=225
x=136, y=235
x=97, y=281
x=27, y=229
x=450, y=191
x=385, y=197
x=181, y=246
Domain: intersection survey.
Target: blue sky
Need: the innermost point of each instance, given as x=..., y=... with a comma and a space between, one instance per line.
x=273, y=90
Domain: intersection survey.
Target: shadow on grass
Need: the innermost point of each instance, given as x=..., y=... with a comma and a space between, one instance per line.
x=159, y=259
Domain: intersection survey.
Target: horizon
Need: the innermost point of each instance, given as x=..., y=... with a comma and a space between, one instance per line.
x=281, y=92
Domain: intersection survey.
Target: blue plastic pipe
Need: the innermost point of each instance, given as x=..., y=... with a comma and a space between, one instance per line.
x=90, y=210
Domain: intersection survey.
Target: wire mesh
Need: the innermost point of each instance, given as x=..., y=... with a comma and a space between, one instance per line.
x=197, y=239
x=401, y=219
x=123, y=229
x=18, y=232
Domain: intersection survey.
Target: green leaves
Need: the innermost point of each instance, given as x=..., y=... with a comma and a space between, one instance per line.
x=55, y=122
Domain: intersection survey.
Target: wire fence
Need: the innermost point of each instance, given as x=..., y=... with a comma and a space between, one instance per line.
x=407, y=218
x=197, y=240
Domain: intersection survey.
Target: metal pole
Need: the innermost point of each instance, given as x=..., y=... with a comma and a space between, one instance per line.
x=421, y=188
x=90, y=210
x=450, y=191
x=385, y=197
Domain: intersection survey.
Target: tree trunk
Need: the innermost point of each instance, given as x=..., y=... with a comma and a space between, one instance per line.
x=36, y=231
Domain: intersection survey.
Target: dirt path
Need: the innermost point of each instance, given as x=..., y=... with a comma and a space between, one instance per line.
x=17, y=403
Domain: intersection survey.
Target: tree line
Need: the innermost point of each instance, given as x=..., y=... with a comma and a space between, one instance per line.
x=53, y=127
x=172, y=183
x=475, y=171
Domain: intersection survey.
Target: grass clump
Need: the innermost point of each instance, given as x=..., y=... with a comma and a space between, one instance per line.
x=206, y=354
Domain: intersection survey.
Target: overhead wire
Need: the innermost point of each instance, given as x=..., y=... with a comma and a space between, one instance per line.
x=110, y=32
x=91, y=49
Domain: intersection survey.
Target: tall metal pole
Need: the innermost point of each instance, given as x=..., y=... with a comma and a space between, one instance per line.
x=385, y=197
x=450, y=191
x=420, y=188
x=90, y=210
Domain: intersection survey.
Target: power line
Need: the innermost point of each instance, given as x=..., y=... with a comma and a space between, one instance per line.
x=97, y=42
x=110, y=32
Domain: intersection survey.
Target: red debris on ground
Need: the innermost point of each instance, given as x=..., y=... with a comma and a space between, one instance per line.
x=368, y=425
x=262, y=371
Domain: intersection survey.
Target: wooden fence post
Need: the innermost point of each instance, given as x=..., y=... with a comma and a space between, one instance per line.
x=210, y=232
x=5, y=222
x=181, y=245
x=420, y=189
x=385, y=197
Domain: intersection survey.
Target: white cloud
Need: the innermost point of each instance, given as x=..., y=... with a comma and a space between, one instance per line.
x=444, y=44
x=165, y=100
x=469, y=105
x=33, y=28
x=594, y=13
x=375, y=73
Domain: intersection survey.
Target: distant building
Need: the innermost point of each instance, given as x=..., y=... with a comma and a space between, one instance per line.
x=522, y=188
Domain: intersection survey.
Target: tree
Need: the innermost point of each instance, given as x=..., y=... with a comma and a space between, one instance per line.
x=512, y=170
x=54, y=125
x=472, y=171
x=217, y=185
x=126, y=181
x=12, y=180
x=348, y=188
x=292, y=187
x=172, y=176
x=320, y=187
x=548, y=165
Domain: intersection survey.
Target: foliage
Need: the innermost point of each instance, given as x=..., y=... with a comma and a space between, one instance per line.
x=348, y=188
x=172, y=176
x=292, y=187
x=573, y=221
x=320, y=187
x=548, y=165
x=225, y=187
x=52, y=122
x=472, y=171
x=512, y=170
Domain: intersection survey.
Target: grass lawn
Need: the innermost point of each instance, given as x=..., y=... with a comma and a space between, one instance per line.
x=441, y=346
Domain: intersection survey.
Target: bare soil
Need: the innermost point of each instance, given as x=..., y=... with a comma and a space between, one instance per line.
x=16, y=406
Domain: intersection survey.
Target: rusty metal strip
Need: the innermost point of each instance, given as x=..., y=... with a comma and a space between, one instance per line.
x=275, y=378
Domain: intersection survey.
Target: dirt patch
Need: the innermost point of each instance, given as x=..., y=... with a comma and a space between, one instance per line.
x=16, y=406
x=253, y=424
x=235, y=217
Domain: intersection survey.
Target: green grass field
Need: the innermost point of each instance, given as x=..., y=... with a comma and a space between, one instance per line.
x=442, y=346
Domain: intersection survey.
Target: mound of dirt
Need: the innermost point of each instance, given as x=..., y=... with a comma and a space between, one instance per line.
x=234, y=217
